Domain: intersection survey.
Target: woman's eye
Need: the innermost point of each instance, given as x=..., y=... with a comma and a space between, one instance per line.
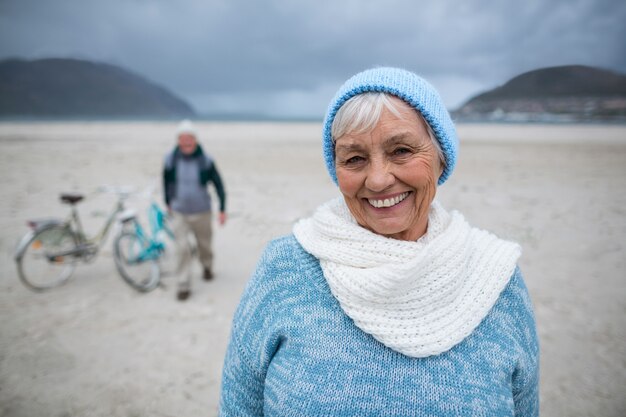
x=401, y=151
x=354, y=160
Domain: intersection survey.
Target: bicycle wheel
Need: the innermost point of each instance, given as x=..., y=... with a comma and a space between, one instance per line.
x=47, y=260
x=135, y=263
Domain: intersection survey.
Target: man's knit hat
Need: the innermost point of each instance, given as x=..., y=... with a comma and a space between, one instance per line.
x=186, y=127
x=411, y=88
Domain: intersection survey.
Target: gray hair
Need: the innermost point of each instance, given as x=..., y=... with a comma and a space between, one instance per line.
x=362, y=112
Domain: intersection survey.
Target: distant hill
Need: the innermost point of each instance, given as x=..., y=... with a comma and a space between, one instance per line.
x=76, y=88
x=568, y=93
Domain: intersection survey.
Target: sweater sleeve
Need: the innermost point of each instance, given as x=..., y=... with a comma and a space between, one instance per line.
x=242, y=385
x=254, y=338
x=214, y=176
x=526, y=374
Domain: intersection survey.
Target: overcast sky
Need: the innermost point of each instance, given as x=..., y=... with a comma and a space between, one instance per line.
x=286, y=58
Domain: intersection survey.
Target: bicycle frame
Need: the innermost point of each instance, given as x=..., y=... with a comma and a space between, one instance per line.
x=152, y=245
x=152, y=248
x=84, y=246
x=99, y=238
x=157, y=218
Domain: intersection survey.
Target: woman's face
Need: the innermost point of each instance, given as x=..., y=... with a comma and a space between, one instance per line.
x=388, y=176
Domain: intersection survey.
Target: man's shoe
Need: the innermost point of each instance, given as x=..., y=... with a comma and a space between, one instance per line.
x=208, y=275
x=183, y=295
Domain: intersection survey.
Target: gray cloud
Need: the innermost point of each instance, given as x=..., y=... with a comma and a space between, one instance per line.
x=286, y=58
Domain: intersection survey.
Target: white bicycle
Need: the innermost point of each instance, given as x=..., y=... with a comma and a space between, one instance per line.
x=49, y=252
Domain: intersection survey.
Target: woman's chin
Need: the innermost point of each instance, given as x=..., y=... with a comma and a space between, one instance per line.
x=390, y=222
x=389, y=228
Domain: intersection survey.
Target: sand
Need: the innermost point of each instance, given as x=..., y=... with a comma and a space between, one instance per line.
x=95, y=347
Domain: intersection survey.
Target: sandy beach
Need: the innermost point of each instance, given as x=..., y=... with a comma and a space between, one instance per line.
x=96, y=347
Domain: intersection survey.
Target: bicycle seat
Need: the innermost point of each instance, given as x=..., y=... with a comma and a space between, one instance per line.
x=71, y=198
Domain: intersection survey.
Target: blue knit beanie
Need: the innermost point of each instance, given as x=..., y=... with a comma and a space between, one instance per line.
x=411, y=88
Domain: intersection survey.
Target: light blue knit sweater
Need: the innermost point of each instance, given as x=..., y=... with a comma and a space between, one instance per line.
x=293, y=352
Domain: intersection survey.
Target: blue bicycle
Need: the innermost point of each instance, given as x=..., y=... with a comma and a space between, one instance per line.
x=138, y=254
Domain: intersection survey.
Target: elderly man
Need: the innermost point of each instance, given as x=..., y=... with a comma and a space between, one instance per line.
x=187, y=172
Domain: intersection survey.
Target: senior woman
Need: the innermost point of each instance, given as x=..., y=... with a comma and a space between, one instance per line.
x=383, y=303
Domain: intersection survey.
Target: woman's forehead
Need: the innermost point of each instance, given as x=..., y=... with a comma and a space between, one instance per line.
x=393, y=126
x=382, y=140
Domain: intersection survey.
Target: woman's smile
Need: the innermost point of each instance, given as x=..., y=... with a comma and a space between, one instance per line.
x=387, y=202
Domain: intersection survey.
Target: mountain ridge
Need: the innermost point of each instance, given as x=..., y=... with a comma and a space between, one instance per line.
x=69, y=87
x=562, y=93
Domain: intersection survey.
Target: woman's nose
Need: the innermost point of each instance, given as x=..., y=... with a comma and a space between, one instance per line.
x=379, y=176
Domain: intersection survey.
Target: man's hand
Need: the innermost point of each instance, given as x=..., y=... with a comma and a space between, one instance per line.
x=222, y=218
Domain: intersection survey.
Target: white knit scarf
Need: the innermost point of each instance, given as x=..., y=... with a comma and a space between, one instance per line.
x=418, y=298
